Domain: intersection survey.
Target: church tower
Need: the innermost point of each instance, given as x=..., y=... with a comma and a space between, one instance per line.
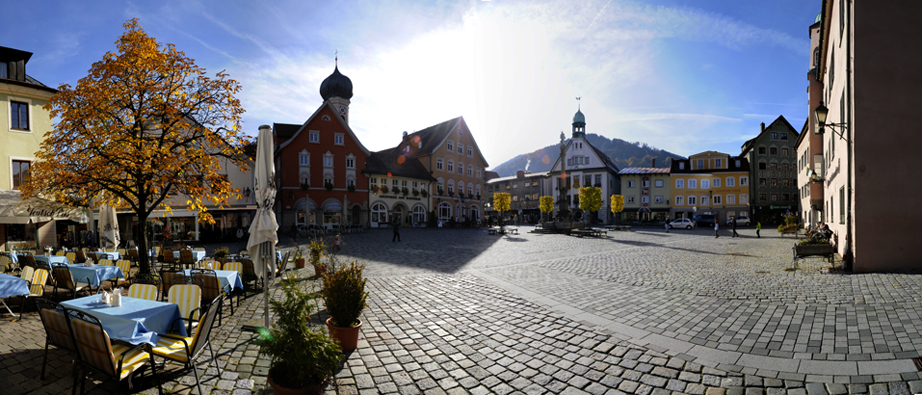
x=579, y=124
x=337, y=89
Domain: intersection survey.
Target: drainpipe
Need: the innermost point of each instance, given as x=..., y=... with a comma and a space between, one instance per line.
x=848, y=254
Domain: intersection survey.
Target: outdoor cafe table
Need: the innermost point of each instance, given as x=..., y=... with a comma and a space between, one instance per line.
x=136, y=321
x=95, y=273
x=11, y=286
x=110, y=255
x=14, y=257
x=225, y=277
x=50, y=259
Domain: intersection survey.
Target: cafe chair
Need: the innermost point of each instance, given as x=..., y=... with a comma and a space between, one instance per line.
x=36, y=287
x=203, y=264
x=186, y=350
x=186, y=259
x=80, y=257
x=189, y=299
x=56, y=332
x=71, y=257
x=64, y=279
x=168, y=259
x=125, y=266
x=133, y=255
x=4, y=263
x=284, y=264
x=27, y=273
x=249, y=273
x=104, y=262
x=166, y=277
x=27, y=260
x=121, y=251
x=60, y=253
x=145, y=286
x=184, y=279
x=212, y=289
x=97, y=352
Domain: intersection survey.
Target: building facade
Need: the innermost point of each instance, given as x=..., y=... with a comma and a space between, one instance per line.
x=399, y=190
x=773, y=158
x=710, y=183
x=646, y=192
x=866, y=80
x=23, y=124
x=525, y=190
x=581, y=164
x=319, y=164
x=450, y=154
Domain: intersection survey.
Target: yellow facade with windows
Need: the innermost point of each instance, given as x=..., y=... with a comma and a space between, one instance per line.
x=710, y=183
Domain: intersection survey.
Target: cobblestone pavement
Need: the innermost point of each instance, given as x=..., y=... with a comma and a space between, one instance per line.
x=643, y=312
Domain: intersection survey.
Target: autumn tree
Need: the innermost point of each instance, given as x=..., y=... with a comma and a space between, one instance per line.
x=617, y=205
x=146, y=129
x=590, y=201
x=547, y=204
x=501, y=202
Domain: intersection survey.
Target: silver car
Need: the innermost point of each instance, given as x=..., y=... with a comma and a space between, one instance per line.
x=682, y=223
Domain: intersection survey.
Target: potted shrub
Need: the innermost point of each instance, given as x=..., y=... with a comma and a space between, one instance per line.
x=302, y=359
x=376, y=189
x=405, y=191
x=328, y=186
x=425, y=193
x=350, y=188
x=384, y=189
x=415, y=192
x=344, y=296
x=299, y=257
x=220, y=255
x=305, y=186
x=316, y=252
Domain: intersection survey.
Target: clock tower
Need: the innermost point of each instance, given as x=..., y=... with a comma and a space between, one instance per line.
x=337, y=89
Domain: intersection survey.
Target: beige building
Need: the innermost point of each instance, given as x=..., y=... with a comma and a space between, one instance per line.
x=710, y=183
x=398, y=190
x=646, y=192
x=23, y=125
x=866, y=82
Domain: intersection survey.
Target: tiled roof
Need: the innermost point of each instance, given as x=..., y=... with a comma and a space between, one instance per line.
x=644, y=170
x=284, y=131
x=387, y=161
x=489, y=175
x=605, y=159
x=731, y=166
x=431, y=137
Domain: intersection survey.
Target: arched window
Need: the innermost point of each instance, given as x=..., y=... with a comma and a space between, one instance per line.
x=419, y=214
x=444, y=211
x=378, y=213
x=474, y=213
x=461, y=168
x=451, y=186
x=460, y=188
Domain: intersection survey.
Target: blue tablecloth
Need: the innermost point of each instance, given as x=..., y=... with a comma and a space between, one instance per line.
x=225, y=277
x=198, y=255
x=12, y=286
x=112, y=256
x=50, y=259
x=13, y=256
x=135, y=321
x=96, y=273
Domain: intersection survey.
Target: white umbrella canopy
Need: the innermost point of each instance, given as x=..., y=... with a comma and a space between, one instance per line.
x=109, y=237
x=14, y=210
x=264, y=229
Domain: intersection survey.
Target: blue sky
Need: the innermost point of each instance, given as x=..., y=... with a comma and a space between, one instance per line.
x=685, y=76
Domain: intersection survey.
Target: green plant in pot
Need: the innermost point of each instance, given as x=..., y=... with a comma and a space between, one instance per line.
x=302, y=358
x=344, y=296
x=220, y=254
x=315, y=249
x=299, y=257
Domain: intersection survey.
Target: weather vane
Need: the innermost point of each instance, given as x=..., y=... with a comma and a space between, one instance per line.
x=577, y=102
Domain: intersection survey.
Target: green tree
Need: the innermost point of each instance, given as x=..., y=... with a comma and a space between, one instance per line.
x=145, y=125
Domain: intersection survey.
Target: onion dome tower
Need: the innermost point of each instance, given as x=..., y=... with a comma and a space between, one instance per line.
x=337, y=89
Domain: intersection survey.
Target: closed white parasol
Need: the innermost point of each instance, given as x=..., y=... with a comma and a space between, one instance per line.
x=264, y=229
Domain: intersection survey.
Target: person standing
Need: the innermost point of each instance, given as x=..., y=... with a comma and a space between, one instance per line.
x=716, y=228
x=396, y=231
x=667, y=225
x=734, y=227
x=758, y=228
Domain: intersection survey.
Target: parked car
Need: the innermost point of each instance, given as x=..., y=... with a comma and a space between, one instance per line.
x=744, y=221
x=705, y=220
x=682, y=223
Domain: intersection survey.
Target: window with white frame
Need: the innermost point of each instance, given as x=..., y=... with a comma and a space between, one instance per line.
x=731, y=199
x=338, y=139
x=692, y=184
x=716, y=199
x=703, y=200
x=681, y=165
x=350, y=182
x=718, y=163
x=679, y=200
x=314, y=137
x=304, y=158
x=700, y=163
x=744, y=181
x=460, y=148
x=705, y=184
x=645, y=199
x=451, y=146
x=327, y=180
x=658, y=199
x=631, y=184
x=20, y=172
x=461, y=168
x=470, y=170
x=646, y=183
x=451, y=186
x=716, y=183
x=658, y=183
x=680, y=183
x=451, y=166
x=350, y=163
x=373, y=181
x=470, y=151
x=744, y=198
x=731, y=182
x=439, y=164
x=692, y=201
x=479, y=173
x=629, y=199
x=328, y=159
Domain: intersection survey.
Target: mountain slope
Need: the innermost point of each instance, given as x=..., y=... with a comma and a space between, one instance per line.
x=622, y=153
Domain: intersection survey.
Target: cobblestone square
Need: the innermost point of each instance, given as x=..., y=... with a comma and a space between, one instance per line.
x=461, y=311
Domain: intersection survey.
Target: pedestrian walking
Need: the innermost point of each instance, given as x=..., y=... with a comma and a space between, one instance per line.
x=758, y=228
x=716, y=228
x=667, y=225
x=337, y=244
x=396, y=231
x=733, y=224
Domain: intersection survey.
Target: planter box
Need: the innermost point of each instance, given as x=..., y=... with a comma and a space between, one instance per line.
x=820, y=249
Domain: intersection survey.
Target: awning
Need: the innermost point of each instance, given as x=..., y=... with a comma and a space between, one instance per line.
x=332, y=205
x=14, y=210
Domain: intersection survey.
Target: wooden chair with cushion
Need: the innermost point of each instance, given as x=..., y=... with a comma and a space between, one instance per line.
x=60, y=253
x=96, y=352
x=56, y=332
x=169, y=261
x=36, y=287
x=80, y=258
x=186, y=259
x=5, y=262
x=189, y=299
x=64, y=279
x=125, y=266
x=71, y=257
x=145, y=286
x=185, y=349
x=211, y=289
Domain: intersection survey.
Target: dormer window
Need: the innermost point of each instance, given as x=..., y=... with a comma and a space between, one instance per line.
x=325, y=118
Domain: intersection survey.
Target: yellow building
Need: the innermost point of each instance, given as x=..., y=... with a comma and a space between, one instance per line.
x=710, y=183
x=23, y=124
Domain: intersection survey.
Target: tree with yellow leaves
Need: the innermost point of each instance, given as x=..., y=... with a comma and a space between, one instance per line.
x=145, y=126
x=501, y=202
x=590, y=201
x=547, y=204
x=617, y=205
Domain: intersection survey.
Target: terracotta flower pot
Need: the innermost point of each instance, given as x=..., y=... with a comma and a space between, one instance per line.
x=320, y=270
x=299, y=263
x=348, y=337
x=279, y=390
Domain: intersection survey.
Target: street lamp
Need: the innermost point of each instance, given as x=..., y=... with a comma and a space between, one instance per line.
x=821, y=112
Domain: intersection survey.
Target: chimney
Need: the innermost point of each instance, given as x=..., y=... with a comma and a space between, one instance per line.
x=405, y=135
x=520, y=174
x=763, y=126
x=653, y=161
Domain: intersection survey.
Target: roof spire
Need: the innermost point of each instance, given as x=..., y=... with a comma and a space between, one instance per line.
x=336, y=59
x=577, y=103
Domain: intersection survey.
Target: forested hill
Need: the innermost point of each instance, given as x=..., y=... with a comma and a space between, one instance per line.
x=622, y=153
